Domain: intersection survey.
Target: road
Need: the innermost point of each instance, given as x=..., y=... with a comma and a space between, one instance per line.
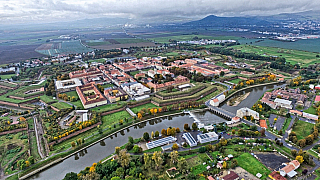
x=36, y=126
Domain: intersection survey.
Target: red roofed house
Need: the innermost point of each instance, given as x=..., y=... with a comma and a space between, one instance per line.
x=276, y=176
x=90, y=96
x=210, y=178
x=178, y=81
x=231, y=176
x=263, y=123
x=289, y=169
x=317, y=99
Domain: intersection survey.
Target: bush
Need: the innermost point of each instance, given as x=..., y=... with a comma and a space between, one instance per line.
x=202, y=149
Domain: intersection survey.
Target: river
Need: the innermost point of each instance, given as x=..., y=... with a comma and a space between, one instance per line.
x=103, y=149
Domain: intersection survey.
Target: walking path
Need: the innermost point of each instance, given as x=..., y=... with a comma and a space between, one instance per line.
x=37, y=137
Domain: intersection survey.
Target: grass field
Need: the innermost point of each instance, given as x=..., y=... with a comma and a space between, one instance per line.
x=302, y=129
x=130, y=40
x=138, y=108
x=311, y=110
x=61, y=105
x=77, y=103
x=293, y=56
x=108, y=107
x=6, y=76
x=107, y=85
x=252, y=165
x=132, y=73
x=98, y=43
x=113, y=118
x=47, y=99
x=235, y=81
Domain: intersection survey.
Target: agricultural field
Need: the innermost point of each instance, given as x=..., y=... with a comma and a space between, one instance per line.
x=64, y=47
x=302, y=129
x=304, y=58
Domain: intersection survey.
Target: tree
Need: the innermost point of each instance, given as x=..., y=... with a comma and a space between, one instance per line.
x=194, y=126
x=174, y=157
x=156, y=134
x=280, y=132
x=163, y=132
x=224, y=165
x=168, y=132
x=222, y=73
x=186, y=127
x=31, y=159
x=117, y=150
x=136, y=149
x=139, y=115
x=233, y=131
x=124, y=158
x=175, y=146
x=183, y=166
x=262, y=132
x=157, y=159
x=146, y=136
x=152, y=135
x=27, y=163
x=294, y=153
x=130, y=140
x=71, y=176
x=178, y=130
x=147, y=160
x=300, y=159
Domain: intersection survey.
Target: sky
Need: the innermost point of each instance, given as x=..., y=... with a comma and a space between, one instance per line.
x=28, y=11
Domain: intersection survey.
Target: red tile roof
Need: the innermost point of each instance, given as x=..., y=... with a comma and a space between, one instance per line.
x=263, y=123
x=317, y=99
x=276, y=176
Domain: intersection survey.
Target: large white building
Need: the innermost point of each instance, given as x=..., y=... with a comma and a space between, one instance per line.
x=283, y=103
x=68, y=85
x=218, y=100
x=247, y=112
x=135, y=89
x=190, y=140
x=207, y=137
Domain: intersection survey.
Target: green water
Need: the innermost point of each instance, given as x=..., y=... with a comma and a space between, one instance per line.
x=311, y=45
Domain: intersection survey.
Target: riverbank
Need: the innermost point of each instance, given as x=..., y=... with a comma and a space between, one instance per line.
x=237, y=100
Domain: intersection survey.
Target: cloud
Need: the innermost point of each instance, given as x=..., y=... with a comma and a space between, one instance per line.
x=55, y=10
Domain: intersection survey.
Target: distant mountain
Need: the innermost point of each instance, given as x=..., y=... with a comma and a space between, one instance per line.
x=300, y=16
x=228, y=21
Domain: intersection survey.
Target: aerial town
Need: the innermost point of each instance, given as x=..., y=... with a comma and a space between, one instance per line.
x=219, y=98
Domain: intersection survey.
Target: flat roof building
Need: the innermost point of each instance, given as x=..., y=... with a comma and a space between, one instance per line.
x=68, y=85
x=161, y=142
x=190, y=140
x=207, y=137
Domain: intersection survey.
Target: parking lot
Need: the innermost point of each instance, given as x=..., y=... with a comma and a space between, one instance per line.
x=279, y=123
x=272, y=160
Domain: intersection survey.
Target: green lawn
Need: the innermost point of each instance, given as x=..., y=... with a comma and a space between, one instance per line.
x=302, y=129
x=138, y=108
x=113, y=118
x=107, y=85
x=252, y=165
x=311, y=110
x=130, y=40
x=235, y=81
x=61, y=105
x=286, y=124
x=77, y=103
x=47, y=99
x=108, y=107
x=292, y=56
x=132, y=73
x=6, y=76
x=211, y=95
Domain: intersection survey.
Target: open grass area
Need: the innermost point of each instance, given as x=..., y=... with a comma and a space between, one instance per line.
x=6, y=76
x=108, y=107
x=113, y=118
x=293, y=56
x=107, y=85
x=211, y=95
x=252, y=165
x=311, y=110
x=132, y=73
x=77, y=103
x=130, y=40
x=286, y=124
x=235, y=81
x=61, y=105
x=138, y=108
x=47, y=99
x=302, y=129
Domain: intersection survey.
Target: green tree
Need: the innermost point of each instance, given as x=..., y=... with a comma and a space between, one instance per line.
x=136, y=149
x=194, y=126
x=147, y=161
x=130, y=139
x=146, y=136
x=31, y=159
x=156, y=134
x=71, y=176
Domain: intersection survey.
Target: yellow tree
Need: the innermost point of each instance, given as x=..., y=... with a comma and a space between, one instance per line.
x=168, y=132
x=155, y=110
x=224, y=165
x=300, y=159
x=152, y=111
x=139, y=115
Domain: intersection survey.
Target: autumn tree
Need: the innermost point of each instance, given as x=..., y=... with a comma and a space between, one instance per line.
x=183, y=166
x=117, y=150
x=157, y=159
x=124, y=158
x=147, y=160
x=224, y=165
x=300, y=159
x=163, y=132
x=174, y=157
x=186, y=127
x=175, y=146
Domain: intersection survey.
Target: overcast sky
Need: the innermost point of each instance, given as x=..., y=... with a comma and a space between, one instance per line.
x=17, y=11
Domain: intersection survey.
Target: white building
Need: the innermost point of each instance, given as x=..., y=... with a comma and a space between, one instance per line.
x=247, y=112
x=218, y=100
x=310, y=116
x=69, y=84
x=289, y=169
x=207, y=137
x=190, y=140
x=283, y=103
x=135, y=89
